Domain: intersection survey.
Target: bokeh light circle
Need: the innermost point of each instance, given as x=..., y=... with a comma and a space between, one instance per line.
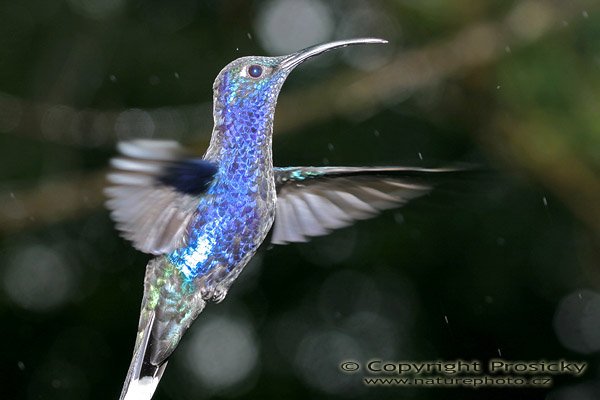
x=38, y=278
x=222, y=353
x=285, y=26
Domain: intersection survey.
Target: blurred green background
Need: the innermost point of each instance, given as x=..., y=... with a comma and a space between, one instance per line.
x=505, y=263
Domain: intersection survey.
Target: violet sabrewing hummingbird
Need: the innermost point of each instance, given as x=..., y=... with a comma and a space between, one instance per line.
x=203, y=218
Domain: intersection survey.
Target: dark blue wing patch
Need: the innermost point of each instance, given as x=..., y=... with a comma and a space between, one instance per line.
x=191, y=176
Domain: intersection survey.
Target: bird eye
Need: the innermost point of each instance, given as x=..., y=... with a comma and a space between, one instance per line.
x=255, y=71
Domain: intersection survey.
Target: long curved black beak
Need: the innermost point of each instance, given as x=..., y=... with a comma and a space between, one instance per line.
x=293, y=60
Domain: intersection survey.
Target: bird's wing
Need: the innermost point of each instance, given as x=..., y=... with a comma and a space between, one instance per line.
x=155, y=187
x=313, y=201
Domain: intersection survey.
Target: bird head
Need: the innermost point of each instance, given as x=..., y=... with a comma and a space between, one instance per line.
x=252, y=84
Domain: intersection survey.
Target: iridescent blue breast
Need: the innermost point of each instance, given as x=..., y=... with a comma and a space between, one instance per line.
x=232, y=221
x=237, y=211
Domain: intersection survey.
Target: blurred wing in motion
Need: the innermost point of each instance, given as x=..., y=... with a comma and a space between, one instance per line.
x=154, y=191
x=313, y=201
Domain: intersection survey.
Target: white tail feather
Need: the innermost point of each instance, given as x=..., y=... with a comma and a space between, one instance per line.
x=141, y=389
x=142, y=378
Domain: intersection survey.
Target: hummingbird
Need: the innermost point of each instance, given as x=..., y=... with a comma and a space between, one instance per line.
x=204, y=217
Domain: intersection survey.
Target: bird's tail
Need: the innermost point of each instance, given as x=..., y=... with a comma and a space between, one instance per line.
x=169, y=306
x=143, y=376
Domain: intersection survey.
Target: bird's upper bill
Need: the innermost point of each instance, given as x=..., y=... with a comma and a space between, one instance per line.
x=293, y=60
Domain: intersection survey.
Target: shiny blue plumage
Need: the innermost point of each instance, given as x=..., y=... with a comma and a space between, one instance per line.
x=204, y=219
x=235, y=215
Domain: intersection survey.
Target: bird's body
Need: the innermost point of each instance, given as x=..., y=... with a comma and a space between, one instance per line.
x=204, y=218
